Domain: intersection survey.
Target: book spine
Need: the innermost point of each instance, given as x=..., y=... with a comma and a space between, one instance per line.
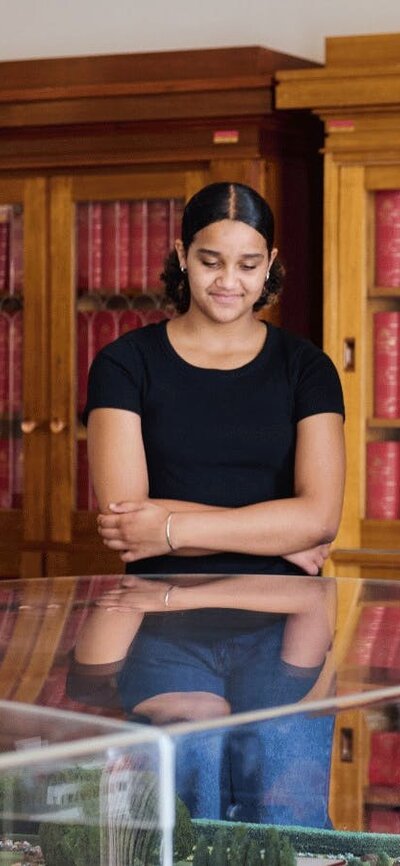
x=4, y=247
x=89, y=246
x=123, y=246
x=18, y=473
x=157, y=242
x=383, y=820
x=385, y=645
x=5, y=472
x=16, y=251
x=366, y=633
x=105, y=326
x=4, y=364
x=84, y=355
x=110, y=261
x=15, y=365
x=85, y=497
x=387, y=238
x=383, y=480
x=129, y=320
x=384, y=764
x=138, y=245
x=387, y=364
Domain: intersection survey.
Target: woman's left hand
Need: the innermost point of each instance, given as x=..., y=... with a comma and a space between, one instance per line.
x=136, y=529
x=138, y=594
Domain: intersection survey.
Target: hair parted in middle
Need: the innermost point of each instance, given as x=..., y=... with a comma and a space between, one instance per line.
x=211, y=204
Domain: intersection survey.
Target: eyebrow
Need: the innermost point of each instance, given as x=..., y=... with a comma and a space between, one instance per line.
x=203, y=250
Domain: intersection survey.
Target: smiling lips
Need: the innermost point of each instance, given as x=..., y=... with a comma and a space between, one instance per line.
x=226, y=297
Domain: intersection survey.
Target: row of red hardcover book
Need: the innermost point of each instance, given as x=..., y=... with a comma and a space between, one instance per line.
x=386, y=364
x=384, y=771
x=387, y=238
x=122, y=245
x=375, y=648
x=97, y=328
x=383, y=480
x=11, y=249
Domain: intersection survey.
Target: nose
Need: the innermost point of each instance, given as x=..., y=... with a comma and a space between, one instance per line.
x=227, y=278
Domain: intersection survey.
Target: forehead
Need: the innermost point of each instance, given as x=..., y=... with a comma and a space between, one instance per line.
x=230, y=235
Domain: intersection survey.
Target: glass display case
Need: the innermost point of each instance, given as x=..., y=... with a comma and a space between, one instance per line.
x=79, y=790
x=279, y=696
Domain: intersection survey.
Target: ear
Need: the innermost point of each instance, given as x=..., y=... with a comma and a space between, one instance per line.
x=274, y=253
x=180, y=251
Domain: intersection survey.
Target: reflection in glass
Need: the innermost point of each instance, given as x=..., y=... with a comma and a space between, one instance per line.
x=253, y=736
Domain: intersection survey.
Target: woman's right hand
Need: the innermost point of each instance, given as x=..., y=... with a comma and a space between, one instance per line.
x=311, y=561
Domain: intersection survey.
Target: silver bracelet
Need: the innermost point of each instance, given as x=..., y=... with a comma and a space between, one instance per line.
x=168, y=531
x=166, y=596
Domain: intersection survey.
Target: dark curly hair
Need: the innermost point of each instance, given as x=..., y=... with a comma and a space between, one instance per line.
x=215, y=202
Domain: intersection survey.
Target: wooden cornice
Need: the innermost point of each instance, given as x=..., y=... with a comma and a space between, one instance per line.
x=130, y=87
x=361, y=72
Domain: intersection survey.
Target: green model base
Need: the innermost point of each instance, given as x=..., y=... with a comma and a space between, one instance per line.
x=315, y=841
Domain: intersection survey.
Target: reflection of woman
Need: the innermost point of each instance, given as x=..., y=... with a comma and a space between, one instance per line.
x=221, y=439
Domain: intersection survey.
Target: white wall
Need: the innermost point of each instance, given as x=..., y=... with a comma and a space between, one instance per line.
x=54, y=28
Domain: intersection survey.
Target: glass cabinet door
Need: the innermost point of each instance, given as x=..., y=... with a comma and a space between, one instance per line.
x=112, y=234
x=23, y=373
x=382, y=494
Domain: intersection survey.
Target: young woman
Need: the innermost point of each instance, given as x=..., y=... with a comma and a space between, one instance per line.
x=216, y=447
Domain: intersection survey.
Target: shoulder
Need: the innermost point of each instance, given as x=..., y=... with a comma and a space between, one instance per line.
x=299, y=352
x=312, y=375
x=133, y=348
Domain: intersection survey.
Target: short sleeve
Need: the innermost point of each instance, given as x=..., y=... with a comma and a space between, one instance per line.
x=113, y=383
x=318, y=387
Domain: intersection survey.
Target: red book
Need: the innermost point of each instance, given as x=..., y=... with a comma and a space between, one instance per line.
x=18, y=473
x=115, y=258
x=4, y=363
x=387, y=238
x=16, y=251
x=15, y=364
x=366, y=633
x=4, y=247
x=384, y=764
x=387, y=364
x=105, y=327
x=176, y=207
x=383, y=820
x=138, y=245
x=5, y=473
x=89, y=245
x=383, y=480
x=129, y=320
x=154, y=316
x=84, y=354
x=386, y=643
x=85, y=498
x=157, y=241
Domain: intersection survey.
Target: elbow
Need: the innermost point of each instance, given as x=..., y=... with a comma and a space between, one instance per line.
x=327, y=529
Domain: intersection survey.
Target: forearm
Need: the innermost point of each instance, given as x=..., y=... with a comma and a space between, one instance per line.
x=284, y=594
x=267, y=529
x=106, y=635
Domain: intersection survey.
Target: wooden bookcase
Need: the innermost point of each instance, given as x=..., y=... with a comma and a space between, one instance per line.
x=129, y=127
x=357, y=96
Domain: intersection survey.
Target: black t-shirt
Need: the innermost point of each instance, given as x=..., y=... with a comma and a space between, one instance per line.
x=217, y=437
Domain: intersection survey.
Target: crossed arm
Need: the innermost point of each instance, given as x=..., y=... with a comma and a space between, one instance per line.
x=134, y=525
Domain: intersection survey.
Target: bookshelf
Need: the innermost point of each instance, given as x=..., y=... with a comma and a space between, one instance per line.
x=357, y=96
x=123, y=134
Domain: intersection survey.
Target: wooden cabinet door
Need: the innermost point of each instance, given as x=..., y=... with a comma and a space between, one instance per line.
x=23, y=375
x=95, y=288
